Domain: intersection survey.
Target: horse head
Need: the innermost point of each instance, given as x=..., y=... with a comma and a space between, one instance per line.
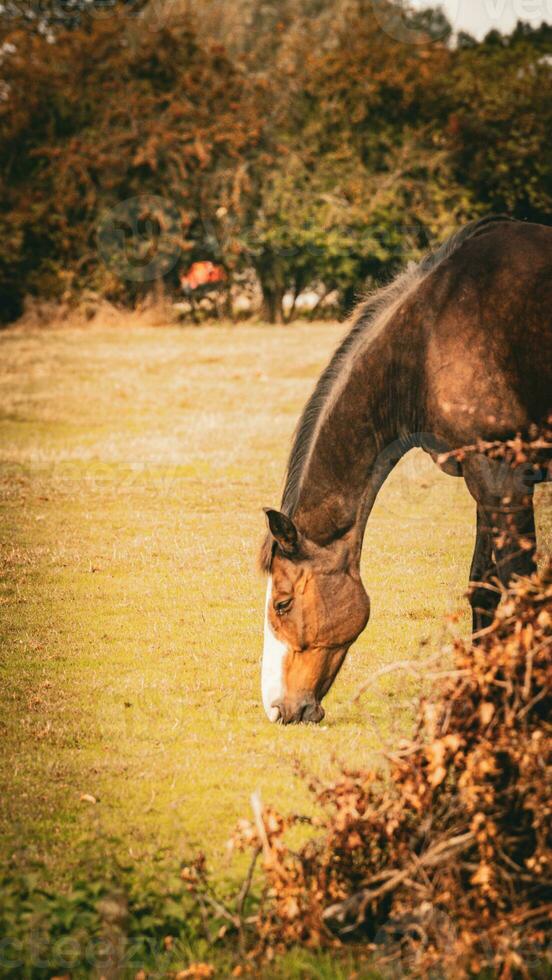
x=316, y=607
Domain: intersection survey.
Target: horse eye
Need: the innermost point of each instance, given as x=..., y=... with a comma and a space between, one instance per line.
x=283, y=606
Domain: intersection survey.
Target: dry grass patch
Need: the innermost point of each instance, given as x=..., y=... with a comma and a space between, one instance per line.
x=133, y=469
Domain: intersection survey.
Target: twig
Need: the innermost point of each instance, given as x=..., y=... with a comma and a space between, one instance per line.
x=220, y=909
x=524, y=711
x=528, y=674
x=257, y=808
x=243, y=893
x=204, y=919
x=356, y=904
x=413, y=667
x=244, y=890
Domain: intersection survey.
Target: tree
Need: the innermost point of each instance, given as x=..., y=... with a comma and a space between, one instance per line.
x=500, y=120
x=315, y=146
x=72, y=149
x=357, y=187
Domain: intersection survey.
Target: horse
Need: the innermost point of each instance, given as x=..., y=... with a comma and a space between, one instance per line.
x=456, y=349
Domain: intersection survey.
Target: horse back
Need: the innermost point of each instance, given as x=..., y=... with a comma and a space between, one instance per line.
x=487, y=327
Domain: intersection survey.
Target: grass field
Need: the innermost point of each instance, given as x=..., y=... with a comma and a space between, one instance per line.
x=134, y=465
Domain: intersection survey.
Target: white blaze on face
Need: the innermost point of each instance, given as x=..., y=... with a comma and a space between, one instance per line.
x=272, y=673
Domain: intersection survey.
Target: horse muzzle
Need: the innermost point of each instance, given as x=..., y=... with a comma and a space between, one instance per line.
x=303, y=710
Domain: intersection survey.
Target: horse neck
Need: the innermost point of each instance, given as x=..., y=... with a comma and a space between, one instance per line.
x=363, y=431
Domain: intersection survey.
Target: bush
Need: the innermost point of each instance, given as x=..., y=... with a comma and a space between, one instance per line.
x=445, y=861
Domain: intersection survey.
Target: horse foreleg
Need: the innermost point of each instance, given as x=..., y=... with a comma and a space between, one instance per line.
x=483, y=595
x=514, y=543
x=506, y=541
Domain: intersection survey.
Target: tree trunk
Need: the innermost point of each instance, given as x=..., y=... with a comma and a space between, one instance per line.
x=271, y=278
x=273, y=306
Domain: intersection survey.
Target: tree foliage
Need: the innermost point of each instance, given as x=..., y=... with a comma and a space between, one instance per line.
x=500, y=120
x=312, y=146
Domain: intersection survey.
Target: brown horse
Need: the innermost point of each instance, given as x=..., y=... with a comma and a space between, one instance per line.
x=456, y=349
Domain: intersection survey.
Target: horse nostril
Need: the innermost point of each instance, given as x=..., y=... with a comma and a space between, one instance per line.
x=312, y=712
x=276, y=711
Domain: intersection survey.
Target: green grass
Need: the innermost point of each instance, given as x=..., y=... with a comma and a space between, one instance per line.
x=133, y=468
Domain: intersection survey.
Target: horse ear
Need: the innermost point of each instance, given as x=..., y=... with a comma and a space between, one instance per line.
x=283, y=531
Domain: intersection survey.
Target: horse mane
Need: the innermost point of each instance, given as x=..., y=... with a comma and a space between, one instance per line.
x=369, y=314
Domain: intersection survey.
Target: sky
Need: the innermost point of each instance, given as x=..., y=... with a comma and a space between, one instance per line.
x=478, y=17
